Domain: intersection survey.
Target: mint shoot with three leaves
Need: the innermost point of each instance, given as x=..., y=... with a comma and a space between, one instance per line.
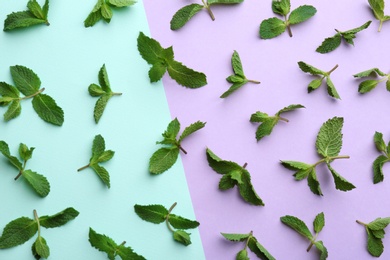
x=273, y=27
x=377, y=166
x=164, y=158
x=369, y=84
x=378, y=8
x=162, y=60
x=28, y=83
x=104, y=93
x=35, y=14
x=183, y=15
x=158, y=214
x=99, y=155
x=37, y=181
x=375, y=233
x=329, y=142
x=238, y=79
x=269, y=122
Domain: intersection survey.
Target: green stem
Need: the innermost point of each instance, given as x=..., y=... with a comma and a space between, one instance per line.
x=247, y=241
x=206, y=5
x=380, y=26
x=37, y=220
x=361, y=223
x=116, y=94
x=283, y=119
x=21, y=171
x=331, y=158
x=334, y=68
x=84, y=167
x=288, y=26
x=167, y=218
x=181, y=148
x=33, y=95
x=254, y=81
x=312, y=243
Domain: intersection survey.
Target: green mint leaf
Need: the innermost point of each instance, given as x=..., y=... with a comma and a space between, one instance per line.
x=48, y=110
x=219, y=165
x=313, y=183
x=358, y=29
x=289, y=108
x=378, y=233
x=7, y=90
x=329, y=44
x=302, y=174
x=36, y=9
x=388, y=85
x=98, y=147
x=379, y=223
x=235, y=79
x=237, y=65
x=100, y=105
x=106, y=12
x=319, y=222
x=324, y=252
x=102, y=243
x=59, y=219
x=236, y=237
x=182, y=237
x=236, y=176
x=18, y=232
x=281, y=7
x=106, y=156
x=329, y=139
x=232, y=89
x=102, y=173
x=259, y=117
x=226, y=182
x=13, y=110
x=310, y=69
x=45, y=8
x=370, y=72
x=191, y=129
x=374, y=245
x=247, y=190
x=163, y=159
x=301, y=14
x=225, y=2
x=185, y=76
x=242, y=255
x=102, y=10
x=93, y=18
x=266, y=127
x=128, y=253
x=341, y=183
x=379, y=142
x=38, y=182
x=21, y=19
x=293, y=165
x=151, y=213
x=26, y=81
x=40, y=248
x=331, y=89
x=377, y=7
x=297, y=225
x=25, y=153
x=259, y=250
x=149, y=48
x=271, y=28
x=314, y=84
x=171, y=132
x=4, y=149
x=122, y=3
x=103, y=79
x=157, y=71
x=95, y=90
x=377, y=168
x=367, y=85
x=182, y=223
x=182, y=16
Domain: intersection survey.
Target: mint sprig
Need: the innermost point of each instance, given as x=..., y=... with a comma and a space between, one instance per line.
x=375, y=233
x=164, y=158
x=20, y=230
x=331, y=43
x=269, y=122
x=162, y=60
x=329, y=142
x=378, y=8
x=99, y=155
x=369, y=84
x=28, y=83
x=377, y=166
x=184, y=14
x=251, y=243
x=35, y=14
x=238, y=78
x=37, y=181
x=234, y=175
x=316, y=83
x=273, y=27
x=300, y=227
x=158, y=214
x=105, y=244
x=104, y=93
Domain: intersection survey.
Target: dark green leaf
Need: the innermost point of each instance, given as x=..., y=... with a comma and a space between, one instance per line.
x=20, y=20
x=259, y=117
x=266, y=127
x=157, y=71
x=219, y=165
x=310, y=69
x=377, y=167
x=358, y=29
x=182, y=237
x=36, y=9
x=377, y=7
x=59, y=219
x=379, y=142
x=233, y=88
x=293, y=165
x=40, y=247
x=367, y=85
x=319, y=222
x=378, y=233
x=100, y=106
x=48, y=110
x=93, y=18
x=313, y=182
x=329, y=44
x=185, y=76
x=182, y=16
x=289, y=108
x=98, y=147
x=341, y=183
x=106, y=12
x=26, y=81
x=237, y=65
x=18, y=232
x=163, y=159
x=371, y=72
x=191, y=129
x=247, y=190
x=301, y=14
x=297, y=225
x=122, y=3
x=4, y=149
x=151, y=213
x=331, y=89
x=374, y=245
x=102, y=243
x=7, y=90
x=379, y=223
x=103, y=79
x=259, y=250
x=281, y=7
x=13, y=110
x=38, y=182
x=271, y=28
x=149, y=48
x=224, y=2
x=226, y=182
x=324, y=252
x=102, y=173
x=302, y=174
x=182, y=223
x=126, y=252
x=236, y=237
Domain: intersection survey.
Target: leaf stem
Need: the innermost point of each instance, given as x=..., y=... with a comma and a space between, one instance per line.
x=283, y=119
x=206, y=5
x=18, y=176
x=37, y=220
x=312, y=243
x=247, y=241
x=331, y=158
x=167, y=218
x=334, y=68
x=123, y=243
x=288, y=26
x=116, y=94
x=254, y=81
x=245, y=165
x=84, y=167
x=361, y=223
x=380, y=26
x=181, y=148
x=33, y=95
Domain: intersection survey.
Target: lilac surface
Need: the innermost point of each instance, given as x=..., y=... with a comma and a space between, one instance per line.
x=207, y=46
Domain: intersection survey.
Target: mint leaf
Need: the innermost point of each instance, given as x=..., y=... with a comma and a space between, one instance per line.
x=93, y=18
x=313, y=183
x=38, y=182
x=329, y=139
x=4, y=149
x=378, y=7
x=375, y=233
x=48, y=110
x=182, y=223
x=149, y=49
x=157, y=71
x=297, y=225
x=305, y=67
x=301, y=14
x=341, y=183
x=103, y=11
x=271, y=28
x=370, y=72
x=281, y=7
x=374, y=245
x=59, y=219
x=40, y=248
x=191, y=129
x=242, y=255
x=182, y=237
x=121, y=3
x=18, y=232
x=185, y=76
x=36, y=9
x=377, y=168
x=182, y=16
x=225, y=2
x=247, y=190
x=163, y=159
x=25, y=153
x=26, y=81
x=219, y=165
x=236, y=237
x=226, y=182
x=259, y=250
x=293, y=165
x=331, y=89
x=367, y=85
x=324, y=252
x=379, y=223
x=151, y=213
x=319, y=222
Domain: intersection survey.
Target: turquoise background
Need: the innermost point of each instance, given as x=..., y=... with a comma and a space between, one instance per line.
x=67, y=58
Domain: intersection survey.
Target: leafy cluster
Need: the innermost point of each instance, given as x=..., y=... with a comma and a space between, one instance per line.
x=28, y=83
x=381, y=159
x=329, y=142
x=375, y=232
x=238, y=78
x=378, y=8
x=269, y=122
x=99, y=155
x=34, y=15
x=158, y=214
x=183, y=15
x=331, y=43
x=20, y=230
x=162, y=60
x=300, y=227
x=164, y=158
x=252, y=243
x=105, y=244
x=316, y=83
x=37, y=181
x=369, y=84
x=272, y=27
x=234, y=175
x=103, y=11
x=103, y=91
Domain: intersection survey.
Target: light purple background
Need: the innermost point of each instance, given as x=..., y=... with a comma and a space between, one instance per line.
x=207, y=46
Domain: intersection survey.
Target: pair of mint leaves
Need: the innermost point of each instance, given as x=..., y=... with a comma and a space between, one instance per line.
x=378, y=8
x=329, y=142
x=28, y=83
x=20, y=230
x=381, y=159
x=369, y=84
x=34, y=15
x=183, y=15
x=375, y=233
x=158, y=214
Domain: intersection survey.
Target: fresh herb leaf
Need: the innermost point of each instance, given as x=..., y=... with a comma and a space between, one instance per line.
x=378, y=8
x=368, y=85
x=157, y=214
x=99, y=155
x=268, y=122
x=328, y=144
x=377, y=165
x=273, y=27
x=164, y=158
x=59, y=219
x=162, y=60
x=35, y=15
x=238, y=78
x=319, y=222
x=375, y=233
x=331, y=43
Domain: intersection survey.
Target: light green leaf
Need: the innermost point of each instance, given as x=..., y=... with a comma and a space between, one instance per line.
x=377, y=168
x=302, y=174
x=331, y=89
x=237, y=65
x=106, y=156
x=163, y=159
x=281, y=7
x=266, y=127
x=341, y=183
x=103, y=79
x=13, y=111
x=93, y=18
x=185, y=76
x=182, y=237
x=7, y=90
x=182, y=16
x=219, y=165
x=388, y=85
x=370, y=72
x=45, y=8
x=297, y=225
x=226, y=182
x=59, y=219
x=379, y=142
x=374, y=245
x=313, y=183
x=367, y=85
x=102, y=173
x=236, y=176
x=4, y=149
x=26, y=81
x=157, y=71
x=247, y=190
x=259, y=250
x=233, y=88
x=294, y=165
x=289, y=108
x=126, y=252
x=314, y=84
x=235, y=79
x=329, y=139
x=151, y=213
x=377, y=7
x=236, y=237
x=102, y=243
x=38, y=182
x=106, y=12
x=98, y=147
x=48, y=110
x=100, y=106
x=182, y=223
x=122, y=3
x=259, y=117
x=172, y=129
x=36, y=9
x=301, y=14
x=242, y=255
x=25, y=153
x=358, y=29
x=324, y=252
x=310, y=69
x=41, y=248
x=18, y=232
x=379, y=223
x=378, y=233
x=95, y=90
x=191, y=129
x=319, y=222
x=149, y=48
x=271, y=28
x=20, y=20
x=329, y=44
